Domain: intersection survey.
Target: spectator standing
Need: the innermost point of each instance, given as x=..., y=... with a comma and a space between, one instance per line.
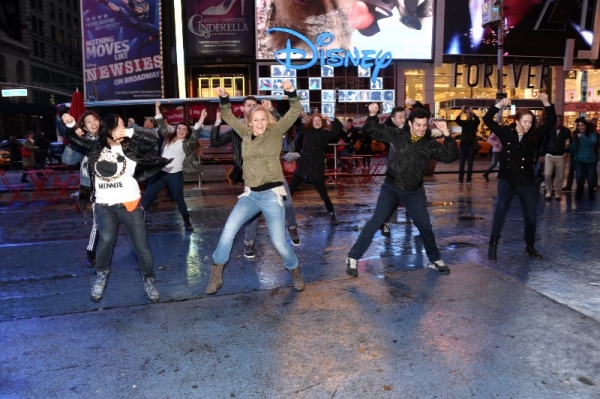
x=41, y=154
x=583, y=150
x=468, y=137
x=554, y=144
x=14, y=148
x=516, y=175
x=28, y=154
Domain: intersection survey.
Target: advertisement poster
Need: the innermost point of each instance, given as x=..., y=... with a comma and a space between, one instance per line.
x=402, y=28
x=534, y=28
x=121, y=49
x=219, y=27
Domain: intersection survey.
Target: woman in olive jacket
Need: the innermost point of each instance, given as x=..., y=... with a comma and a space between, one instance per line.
x=316, y=135
x=516, y=174
x=262, y=138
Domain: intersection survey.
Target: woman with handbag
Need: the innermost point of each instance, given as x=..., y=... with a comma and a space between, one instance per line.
x=28, y=155
x=180, y=146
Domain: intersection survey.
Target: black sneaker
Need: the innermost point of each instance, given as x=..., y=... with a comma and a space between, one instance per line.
x=352, y=267
x=294, y=234
x=440, y=266
x=385, y=230
x=249, y=252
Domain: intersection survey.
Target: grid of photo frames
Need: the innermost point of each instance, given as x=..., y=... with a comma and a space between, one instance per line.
x=328, y=97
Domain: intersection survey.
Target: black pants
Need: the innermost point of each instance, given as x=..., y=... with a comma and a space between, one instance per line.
x=319, y=186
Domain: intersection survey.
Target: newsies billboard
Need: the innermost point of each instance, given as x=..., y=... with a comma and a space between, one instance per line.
x=121, y=49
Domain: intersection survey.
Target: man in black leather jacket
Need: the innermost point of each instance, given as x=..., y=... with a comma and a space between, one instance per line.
x=411, y=150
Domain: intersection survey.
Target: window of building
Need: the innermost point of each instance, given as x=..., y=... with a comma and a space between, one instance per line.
x=63, y=58
x=68, y=3
x=75, y=43
x=54, y=55
x=60, y=16
x=51, y=12
x=20, y=71
x=61, y=36
x=75, y=24
x=34, y=23
x=53, y=33
x=42, y=50
x=70, y=60
x=36, y=50
x=40, y=26
x=68, y=44
x=2, y=68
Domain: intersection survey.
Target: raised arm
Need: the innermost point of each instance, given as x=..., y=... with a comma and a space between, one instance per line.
x=376, y=130
x=489, y=117
x=227, y=114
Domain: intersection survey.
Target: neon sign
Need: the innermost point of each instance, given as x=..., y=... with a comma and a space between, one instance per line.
x=332, y=57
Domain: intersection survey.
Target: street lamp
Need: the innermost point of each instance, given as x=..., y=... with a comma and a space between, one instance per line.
x=492, y=15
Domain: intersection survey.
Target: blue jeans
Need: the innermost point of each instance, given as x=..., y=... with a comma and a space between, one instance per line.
x=173, y=182
x=415, y=203
x=584, y=172
x=244, y=210
x=527, y=194
x=495, y=160
x=290, y=217
x=107, y=219
x=466, y=152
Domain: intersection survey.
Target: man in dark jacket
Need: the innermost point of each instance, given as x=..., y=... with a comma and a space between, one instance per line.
x=554, y=146
x=411, y=150
x=468, y=138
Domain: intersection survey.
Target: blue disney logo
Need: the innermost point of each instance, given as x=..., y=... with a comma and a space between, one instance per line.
x=332, y=57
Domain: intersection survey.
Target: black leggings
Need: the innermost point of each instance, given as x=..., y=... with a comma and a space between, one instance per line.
x=319, y=186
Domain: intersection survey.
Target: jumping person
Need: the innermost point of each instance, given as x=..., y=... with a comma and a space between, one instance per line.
x=118, y=160
x=264, y=192
x=411, y=150
x=516, y=175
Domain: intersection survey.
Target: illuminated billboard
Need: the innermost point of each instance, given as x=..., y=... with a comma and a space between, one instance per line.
x=534, y=28
x=403, y=29
x=121, y=49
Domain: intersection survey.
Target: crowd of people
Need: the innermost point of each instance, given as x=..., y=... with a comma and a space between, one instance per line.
x=123, y=168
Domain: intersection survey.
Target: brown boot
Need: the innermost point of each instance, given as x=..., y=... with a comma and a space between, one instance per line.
x=216, y=279
x=298, y=280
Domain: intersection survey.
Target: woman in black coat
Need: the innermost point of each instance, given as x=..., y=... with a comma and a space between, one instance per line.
x=311, y=165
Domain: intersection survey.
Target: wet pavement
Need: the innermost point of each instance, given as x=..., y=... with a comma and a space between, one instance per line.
x=519, y=328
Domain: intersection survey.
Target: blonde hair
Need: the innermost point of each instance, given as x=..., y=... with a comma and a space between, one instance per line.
x=259, y=107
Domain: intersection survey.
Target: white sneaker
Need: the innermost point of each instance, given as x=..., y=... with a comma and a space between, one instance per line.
x=99, y=285
x=351, y=267
x=548, y=195
x=151, y=290
x=440, y=266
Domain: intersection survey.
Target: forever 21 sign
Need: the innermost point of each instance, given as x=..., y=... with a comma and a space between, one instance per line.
x=484, y=76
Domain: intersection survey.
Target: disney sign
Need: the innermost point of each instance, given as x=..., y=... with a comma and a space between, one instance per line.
x=332, y=57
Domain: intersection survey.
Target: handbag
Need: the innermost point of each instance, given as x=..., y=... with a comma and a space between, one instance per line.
x=25, y=152
x=235, y=174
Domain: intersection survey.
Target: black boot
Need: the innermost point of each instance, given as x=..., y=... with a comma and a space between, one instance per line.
x=531, y=251
x=492, y=249
x=485, y=176
x=578, y=193
x=91, y=259
x=591, y=194
x=186, y=222
x=334, y=220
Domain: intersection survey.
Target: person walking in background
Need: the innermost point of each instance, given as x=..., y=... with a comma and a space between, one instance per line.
x=231, y=136
x=264, y=192
x=180, y=146
x=583, y=150
x=554, y=144
x=28, y=155
x=14, y=148
x=118, y=160
x=516, y=175
x=496, y=150
x=468, y=137
x=316, y=135
x=411, y=150
x=41, y=154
